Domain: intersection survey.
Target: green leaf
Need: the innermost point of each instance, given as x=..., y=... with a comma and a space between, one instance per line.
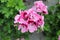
x=1, y=21
x=58, y=32
x=47, y=27
x=2, y=0
x=7, y=15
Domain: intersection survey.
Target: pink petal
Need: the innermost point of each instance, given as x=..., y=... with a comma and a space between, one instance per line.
x=37, y=3
x=41, y=20
x=24, y=29
x=32, y=28
x=22, y=21
x=17, y=17
x=41, y=7
x=33, y=15
x=15, y=21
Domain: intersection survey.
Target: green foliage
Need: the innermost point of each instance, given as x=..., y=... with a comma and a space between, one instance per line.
x=8, y=9
x=52, y=25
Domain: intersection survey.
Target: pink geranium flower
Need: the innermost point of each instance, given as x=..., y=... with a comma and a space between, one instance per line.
x=30, y=20
x=41, y=7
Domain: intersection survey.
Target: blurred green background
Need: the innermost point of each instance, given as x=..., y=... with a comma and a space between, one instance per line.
x=52, y=23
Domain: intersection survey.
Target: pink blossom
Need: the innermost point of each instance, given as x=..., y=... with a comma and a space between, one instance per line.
x=40, y=7
x=30, y=20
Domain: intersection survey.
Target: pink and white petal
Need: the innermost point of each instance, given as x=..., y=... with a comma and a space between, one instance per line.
x=38, y=10
x=42, y=18
x=32, y=28
x=36, y=16
x=22, y=21
x=15, y=21
x=17, y=17
x=36, y=3
x=24, y=29
x=45, y=11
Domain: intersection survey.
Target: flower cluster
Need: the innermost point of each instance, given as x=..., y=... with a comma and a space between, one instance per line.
x=30, y=20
